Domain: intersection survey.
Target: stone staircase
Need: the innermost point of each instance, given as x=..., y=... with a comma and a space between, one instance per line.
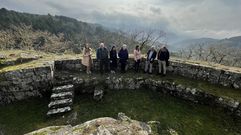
x=61, y=99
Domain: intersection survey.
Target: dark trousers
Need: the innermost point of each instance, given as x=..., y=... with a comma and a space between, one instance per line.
x=113, y=64
x=123, y=67
x=137, y=65
x=103, y=65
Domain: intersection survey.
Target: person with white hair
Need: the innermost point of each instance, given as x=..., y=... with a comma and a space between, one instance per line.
x=102, y=57
x=123, y=55
x=163, y=57
x=151, y=55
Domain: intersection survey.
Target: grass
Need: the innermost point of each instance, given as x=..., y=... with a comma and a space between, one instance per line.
x=46, y=57
x=144, y=105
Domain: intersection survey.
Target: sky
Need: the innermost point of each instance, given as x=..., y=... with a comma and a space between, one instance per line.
x=179, y=18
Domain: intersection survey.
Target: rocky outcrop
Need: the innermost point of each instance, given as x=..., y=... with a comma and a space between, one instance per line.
x=24, y=83
x=104, y=126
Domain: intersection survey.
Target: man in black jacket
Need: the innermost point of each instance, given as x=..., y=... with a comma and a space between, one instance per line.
x=102, y=57
x=151, y=55
x=163, y=57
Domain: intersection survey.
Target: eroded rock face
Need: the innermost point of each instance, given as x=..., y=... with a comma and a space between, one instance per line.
x=24, y=83
x=101, y=126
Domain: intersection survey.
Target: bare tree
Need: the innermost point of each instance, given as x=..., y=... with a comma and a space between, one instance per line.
x=147, y=38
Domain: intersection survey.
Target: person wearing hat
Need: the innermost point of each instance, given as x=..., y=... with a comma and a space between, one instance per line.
x=151, y=55
x=123, y=55
x=163, y=57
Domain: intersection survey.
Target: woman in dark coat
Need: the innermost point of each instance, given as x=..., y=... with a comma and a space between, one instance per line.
x=113, y=59
x=123, y=55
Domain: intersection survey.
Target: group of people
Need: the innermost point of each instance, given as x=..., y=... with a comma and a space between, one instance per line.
x=106, y=58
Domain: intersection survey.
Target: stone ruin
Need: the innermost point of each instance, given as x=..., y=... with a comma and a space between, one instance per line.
x=24, y=83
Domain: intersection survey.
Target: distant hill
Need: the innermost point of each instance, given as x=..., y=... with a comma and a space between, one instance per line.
x=77, y=32
x=230, y=42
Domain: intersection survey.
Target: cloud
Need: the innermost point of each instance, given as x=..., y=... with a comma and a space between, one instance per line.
x=192, y=18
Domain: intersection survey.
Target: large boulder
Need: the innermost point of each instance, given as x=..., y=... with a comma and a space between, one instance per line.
x=101, y=126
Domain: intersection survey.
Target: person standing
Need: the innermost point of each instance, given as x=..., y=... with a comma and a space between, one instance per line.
x=163, y=56
x=123, y=55
x=102, y=57
x=168, y=56
x=137, y=58
x=87, y=61
x=151, y=55
x=113, y=59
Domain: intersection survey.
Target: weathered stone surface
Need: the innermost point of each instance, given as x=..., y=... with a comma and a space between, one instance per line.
x=60, y=103
x=230, y=104
x=61, y=95
x=101, y=126
x=195, y=71
x=24, y=83
x=61, y=99
x=59, y=110
x=64, y=88
x=238, y=111
x=98, y=94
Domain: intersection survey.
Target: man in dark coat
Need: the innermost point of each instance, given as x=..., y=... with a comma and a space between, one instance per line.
x=102, y=57
x=151, y=55
x=123, y=55
x=113, y=59
x=163, y=57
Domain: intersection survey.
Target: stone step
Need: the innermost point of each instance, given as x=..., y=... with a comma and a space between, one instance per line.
x=62, y=82
x=58, y=110
x=63, y=88
x=60, y=103
x=62, y=95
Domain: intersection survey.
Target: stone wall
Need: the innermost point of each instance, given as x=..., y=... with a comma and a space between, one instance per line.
x=87, y=85
x=211, y=74
x=24, y=83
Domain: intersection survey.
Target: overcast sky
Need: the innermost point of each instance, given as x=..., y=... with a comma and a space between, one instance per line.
x=194, y=18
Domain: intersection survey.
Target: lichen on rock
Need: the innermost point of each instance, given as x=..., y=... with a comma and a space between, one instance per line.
x=102, y=126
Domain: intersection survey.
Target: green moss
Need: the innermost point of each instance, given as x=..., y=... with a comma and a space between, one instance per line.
x=42, y=133
x=55, y=128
